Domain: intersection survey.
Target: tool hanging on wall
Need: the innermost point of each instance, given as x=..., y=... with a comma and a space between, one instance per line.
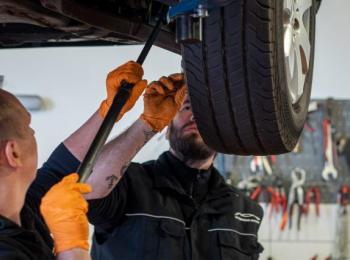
x=329, y=171
x=312, y=194
x=119, y=101
x=279, y=204
x=249, y=184
x=260, y=165
x=299, y=146
x=295, y=197
x=311, y=131
x=340, y=249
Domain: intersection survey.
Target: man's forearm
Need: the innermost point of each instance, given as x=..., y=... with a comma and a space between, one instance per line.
x=79, y=142
x=115, y=158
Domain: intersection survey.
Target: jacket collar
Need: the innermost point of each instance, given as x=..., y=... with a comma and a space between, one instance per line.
x=172, y=173
x=168, y=170
x=164, y=177
x=9, y=227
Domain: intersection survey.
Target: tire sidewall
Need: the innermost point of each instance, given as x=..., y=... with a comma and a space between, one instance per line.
x=294, y=114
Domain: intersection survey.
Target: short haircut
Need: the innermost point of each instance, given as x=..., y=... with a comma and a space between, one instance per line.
x=11, y=119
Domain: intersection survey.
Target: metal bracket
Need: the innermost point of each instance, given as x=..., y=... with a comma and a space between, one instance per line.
x=195, y=8
x=189, y=15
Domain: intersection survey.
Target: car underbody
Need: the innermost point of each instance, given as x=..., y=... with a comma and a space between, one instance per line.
x=27, y=23
x=249, y=77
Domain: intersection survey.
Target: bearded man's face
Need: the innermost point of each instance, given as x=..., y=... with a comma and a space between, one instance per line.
x=184, y=137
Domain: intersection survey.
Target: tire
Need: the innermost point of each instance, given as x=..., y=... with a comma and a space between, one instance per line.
x=238, y=81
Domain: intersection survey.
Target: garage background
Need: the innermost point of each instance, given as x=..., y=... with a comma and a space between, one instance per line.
x=71, y=81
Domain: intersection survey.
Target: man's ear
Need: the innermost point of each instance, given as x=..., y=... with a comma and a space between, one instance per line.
x=13, y=154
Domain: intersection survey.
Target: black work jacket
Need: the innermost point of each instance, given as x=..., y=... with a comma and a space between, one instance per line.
x=143, y=218
x=29, y=242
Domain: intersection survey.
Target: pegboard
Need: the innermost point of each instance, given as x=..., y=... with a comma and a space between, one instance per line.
x=310, y=157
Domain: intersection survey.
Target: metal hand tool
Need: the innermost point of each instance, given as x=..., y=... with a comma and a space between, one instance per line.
x=312, y=193
x=295, y=196
x=340, y=248
x=329, y=170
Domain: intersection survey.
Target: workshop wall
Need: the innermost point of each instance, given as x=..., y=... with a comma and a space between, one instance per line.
x=318, y=235
x=270, y=179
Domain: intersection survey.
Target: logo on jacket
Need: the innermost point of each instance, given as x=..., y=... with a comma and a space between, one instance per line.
x=247, y=217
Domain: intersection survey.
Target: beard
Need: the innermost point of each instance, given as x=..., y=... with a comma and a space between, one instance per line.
x=190, y=147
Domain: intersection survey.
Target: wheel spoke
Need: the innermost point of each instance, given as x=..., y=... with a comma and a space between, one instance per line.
x=291, y=63
x=304, y=5
x=288, y=40
x=298, y=71
x=288, y=4
x=302, y=43
x=293, y=82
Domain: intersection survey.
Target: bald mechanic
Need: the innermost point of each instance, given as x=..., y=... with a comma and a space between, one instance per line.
x=176, y=207
x=23, y=234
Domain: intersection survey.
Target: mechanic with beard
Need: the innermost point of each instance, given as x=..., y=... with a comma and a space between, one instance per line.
x=173, y=208
x=176, y=207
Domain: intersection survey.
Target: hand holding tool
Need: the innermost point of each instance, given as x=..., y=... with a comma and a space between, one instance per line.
x=162, y=100
x=119, y=101
x=130, y=72
x=64, y=210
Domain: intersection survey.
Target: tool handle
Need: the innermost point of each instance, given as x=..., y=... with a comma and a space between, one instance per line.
x=119, y=101
x=151, y=39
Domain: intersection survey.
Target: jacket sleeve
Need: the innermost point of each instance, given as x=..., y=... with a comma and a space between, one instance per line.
x=105, y=213
x=60, y=163
x=255, y=209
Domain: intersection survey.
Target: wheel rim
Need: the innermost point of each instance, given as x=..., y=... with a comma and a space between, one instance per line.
x=297, y=44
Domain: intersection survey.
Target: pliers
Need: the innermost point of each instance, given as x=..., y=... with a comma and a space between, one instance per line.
x=344, y=195
x=295, y=196
x=313, y=193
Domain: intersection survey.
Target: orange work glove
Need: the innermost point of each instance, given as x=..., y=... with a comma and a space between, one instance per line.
x=162, y=100
x=130, y=72
x=64, y=210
